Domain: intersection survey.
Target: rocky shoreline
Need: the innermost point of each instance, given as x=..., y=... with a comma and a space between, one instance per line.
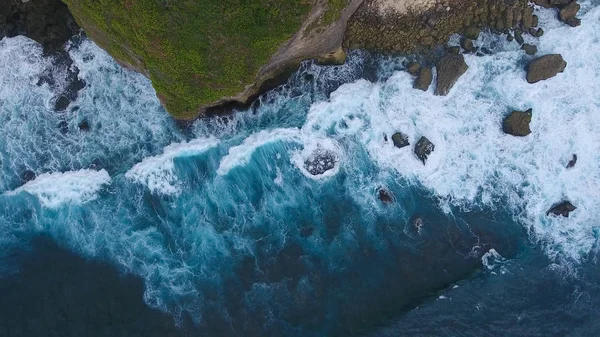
x=49, y=23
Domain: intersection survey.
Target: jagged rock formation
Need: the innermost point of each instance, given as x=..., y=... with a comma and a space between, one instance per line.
x=517, y=123
x=545, y=67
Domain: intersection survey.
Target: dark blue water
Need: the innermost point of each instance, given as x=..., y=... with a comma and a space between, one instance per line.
x=138, y=227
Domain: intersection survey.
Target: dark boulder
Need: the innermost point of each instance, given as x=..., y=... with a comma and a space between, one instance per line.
x=545, y=67
x=449, y=69
x=569, y=11
x=467, y=45
x=84, y=125
x=423, y=149
x=517, y=123
x=563, y=208
x=413, y=68
x=400, y=140
x=48, y=22
x=572, y=162
x=472, y=32
x=320, y=162
x=423, y=81
x=529, y=49
x=385, y=196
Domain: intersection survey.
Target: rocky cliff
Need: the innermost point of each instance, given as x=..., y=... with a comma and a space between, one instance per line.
x=207, y=53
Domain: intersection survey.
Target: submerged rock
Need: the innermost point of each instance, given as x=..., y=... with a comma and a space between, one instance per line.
x=517, y=123
x=423, y=149
x=320, y=162
x=385, y=196
x=400, y=140
x=423, y=81
x=449, y=69
x=545, y=67
x=564, y=208
x=572, y=162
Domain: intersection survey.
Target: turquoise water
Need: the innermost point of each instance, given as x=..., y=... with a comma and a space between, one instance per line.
x=226, y=227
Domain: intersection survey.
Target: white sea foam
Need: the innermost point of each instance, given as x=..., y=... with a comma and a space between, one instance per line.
x=240, y=155
x=474, y=162
x=60, y=188
x=158, y=172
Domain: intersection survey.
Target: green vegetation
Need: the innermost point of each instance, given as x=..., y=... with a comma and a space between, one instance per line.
x=194, y=51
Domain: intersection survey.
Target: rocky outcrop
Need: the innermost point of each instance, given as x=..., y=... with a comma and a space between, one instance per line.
x=419, y=25
x=320, y=162
x=423, y=149
x=529, y=49
x=449, y=69
x=49, y=23
x=400, y=140
x=545, y=67
x=517, y=123
x=423, y=80
x=572, y=162
x=563, y=208
x=385, y=196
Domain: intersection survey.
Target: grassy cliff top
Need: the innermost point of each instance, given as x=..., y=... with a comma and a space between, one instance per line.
x=194, y=51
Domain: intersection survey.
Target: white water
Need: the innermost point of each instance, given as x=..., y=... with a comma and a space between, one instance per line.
x=57, y=189
x=158, y=172
x=474, y=163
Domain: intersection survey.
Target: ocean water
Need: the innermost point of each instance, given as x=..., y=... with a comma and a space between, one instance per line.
x=225, y=231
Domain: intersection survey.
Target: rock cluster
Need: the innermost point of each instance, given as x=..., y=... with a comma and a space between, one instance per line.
x=368, y=28
x=567, y=10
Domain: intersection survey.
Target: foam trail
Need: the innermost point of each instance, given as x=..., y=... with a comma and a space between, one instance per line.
x=240, y=155
x=158, y=172
x=61, y=188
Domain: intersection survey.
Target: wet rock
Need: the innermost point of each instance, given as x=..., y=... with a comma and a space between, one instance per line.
x=509, y=38
x=472, y=32
x=449, y=69
x=84, y=125
x=62, y=103
x=574, y=22
x=517, y=123
x=63, y=127
x=467, y=45
x=28, y=175
x=569, y=11
x=400, y=140
x=385, y=196
x=423, y=149
x=454, y=50
x=320, y=162
x=413, y=68
x=47, y=22
x=543, y=3
x=423, y=81
x=335, y=58
x=564, y=208
x=519, y=37
x=529, y=49
x=536, y=32
x=545, y=67
x=572, y=162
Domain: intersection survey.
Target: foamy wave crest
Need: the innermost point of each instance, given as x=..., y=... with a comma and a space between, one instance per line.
x=158, y=172
x=56, y=189
x=240, y=155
